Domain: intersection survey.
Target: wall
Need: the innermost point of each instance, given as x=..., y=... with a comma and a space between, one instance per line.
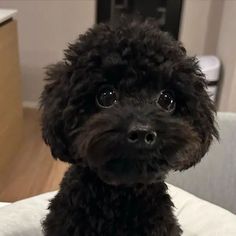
x=226, y=50
x=208, y=27
x=194, y=28
x=200, y=25
x=45, y=28
x=213, y=26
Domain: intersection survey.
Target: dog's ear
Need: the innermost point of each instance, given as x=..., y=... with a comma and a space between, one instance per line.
x=208, y=130
x=199, y=111
x=53, y=102
x=203, y=113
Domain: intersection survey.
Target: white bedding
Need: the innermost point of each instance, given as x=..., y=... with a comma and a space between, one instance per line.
x=196, y=216
x=199, y=217
x=2, y=204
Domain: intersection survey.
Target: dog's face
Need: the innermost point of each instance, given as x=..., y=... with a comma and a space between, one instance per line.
x=129, y=104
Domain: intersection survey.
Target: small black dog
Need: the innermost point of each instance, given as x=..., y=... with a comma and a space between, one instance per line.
x=124, y=107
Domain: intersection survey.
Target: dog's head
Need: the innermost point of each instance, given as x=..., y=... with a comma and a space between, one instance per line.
x=129, y=104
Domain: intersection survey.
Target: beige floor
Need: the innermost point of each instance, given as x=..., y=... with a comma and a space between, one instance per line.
x=32, y=170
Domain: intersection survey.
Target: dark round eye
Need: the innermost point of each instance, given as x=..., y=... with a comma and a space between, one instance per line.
x=106, y=97
x=166, y=101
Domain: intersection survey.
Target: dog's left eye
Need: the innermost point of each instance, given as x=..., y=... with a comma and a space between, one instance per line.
x=106, y=97
x=166, y=101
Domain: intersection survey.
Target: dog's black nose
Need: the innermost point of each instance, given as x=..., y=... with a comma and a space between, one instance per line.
x=142, y=134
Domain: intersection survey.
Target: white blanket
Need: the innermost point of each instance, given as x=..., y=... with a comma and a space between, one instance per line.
x=197, y=217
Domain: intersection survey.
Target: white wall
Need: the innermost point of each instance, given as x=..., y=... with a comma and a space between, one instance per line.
x=194, y=25
x=45, y=28
x=226, y=50
x=200, y=25
x=209, y=27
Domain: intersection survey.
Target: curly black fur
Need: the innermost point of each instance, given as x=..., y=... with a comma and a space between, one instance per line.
x=115, y=188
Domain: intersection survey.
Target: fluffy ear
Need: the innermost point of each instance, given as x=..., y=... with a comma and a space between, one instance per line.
x=53, y=102
x=198, y=110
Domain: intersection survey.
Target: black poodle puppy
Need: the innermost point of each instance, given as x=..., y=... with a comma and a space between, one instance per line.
x=124, y=107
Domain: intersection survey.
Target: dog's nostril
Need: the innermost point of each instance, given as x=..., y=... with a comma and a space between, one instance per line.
x=142, y=136
x=150, y=137
x=133, y=137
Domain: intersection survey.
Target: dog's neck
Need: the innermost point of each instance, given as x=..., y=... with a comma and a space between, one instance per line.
x=89, y=179
x=126, y=208
x=87, y=206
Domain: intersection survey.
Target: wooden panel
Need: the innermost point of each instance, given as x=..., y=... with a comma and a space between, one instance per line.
x=10, y=94
x=33, y=170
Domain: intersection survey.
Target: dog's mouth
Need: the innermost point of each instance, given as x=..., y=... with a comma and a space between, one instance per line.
x=128, y=171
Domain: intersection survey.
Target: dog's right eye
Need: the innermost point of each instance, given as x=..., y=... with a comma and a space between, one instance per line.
x=106, y=97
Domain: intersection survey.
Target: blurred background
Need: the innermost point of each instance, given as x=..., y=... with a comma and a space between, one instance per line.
x=36, y=36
